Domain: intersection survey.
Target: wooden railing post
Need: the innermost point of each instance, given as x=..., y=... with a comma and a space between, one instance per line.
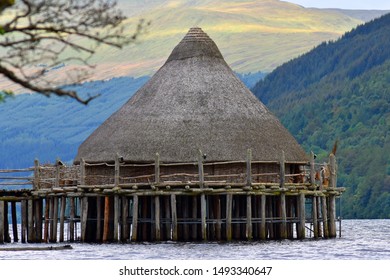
x=117, y=171
x=249, y=168
x=36, y=175
x=200, y=169
x=282, y=170
x=82, y=171
x=312, y=170
x=157, y=169
x=58, y=170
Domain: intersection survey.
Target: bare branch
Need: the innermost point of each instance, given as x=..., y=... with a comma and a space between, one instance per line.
x=41, y=32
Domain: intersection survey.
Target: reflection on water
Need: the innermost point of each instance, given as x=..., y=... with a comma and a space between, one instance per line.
x=361, y=239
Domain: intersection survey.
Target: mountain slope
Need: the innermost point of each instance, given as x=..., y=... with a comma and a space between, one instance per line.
x=253, y=36
x=341, y=90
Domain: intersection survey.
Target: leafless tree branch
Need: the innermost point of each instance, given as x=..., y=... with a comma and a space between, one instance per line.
x=40, y=32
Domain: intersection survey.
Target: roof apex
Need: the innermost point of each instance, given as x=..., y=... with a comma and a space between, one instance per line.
x=196, y=43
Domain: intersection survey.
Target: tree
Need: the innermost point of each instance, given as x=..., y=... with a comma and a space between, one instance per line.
x=37, y=35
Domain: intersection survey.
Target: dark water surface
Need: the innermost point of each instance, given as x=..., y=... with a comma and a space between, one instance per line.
x=360, y=240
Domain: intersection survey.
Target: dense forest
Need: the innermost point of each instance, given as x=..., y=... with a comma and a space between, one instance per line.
x=341, y=90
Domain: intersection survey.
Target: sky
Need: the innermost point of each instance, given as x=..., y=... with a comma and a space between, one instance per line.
x=345, y=4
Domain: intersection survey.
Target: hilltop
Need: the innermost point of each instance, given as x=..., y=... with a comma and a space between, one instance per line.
x=252, y=35
x=341, y=90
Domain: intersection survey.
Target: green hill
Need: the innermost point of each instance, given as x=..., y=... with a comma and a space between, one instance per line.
x=341, y=90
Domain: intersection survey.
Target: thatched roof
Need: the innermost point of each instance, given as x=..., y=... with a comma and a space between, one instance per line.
x=194, y=101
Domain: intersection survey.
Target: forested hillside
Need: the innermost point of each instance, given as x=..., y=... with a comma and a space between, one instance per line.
x=341, y=90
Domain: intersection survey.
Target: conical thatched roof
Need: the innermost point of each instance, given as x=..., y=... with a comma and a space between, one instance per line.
x=194, y=101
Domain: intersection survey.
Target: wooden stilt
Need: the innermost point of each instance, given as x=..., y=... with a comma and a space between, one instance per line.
x=38, y=219
x=106, y=224
x=194, y=227
x=324, y=217
x=134, y=223
x=62, y=218
x=71, y=218
x=116, y=218
x=84, y=218
x=98, y=218
x=315, y=216
x=30, y=217
x=332, y=216
x=319, y=211
x=1, y=222
x=157, y=216
x=125, y=215
x=236, y=217
x=203, y=213
x=50, y=219
x=185, y=211
x=283, y=226
x=14, y=222
x=302, y=216
x=47, y=220
x=218, y=226
x=23, y=206
x=7, y=237
x=55, y=219
x=168, y=219
x=174, y=217
x=229, y=213
x=249, y=229
x=263, y=225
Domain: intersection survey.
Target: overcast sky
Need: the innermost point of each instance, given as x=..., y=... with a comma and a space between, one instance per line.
x=345, y=4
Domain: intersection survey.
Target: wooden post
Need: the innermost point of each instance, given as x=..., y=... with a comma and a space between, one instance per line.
x=157, y=169
x=319, y=211
x=116, y=178
x=82, y=172
x=84, y=218
x=174, y=217
x=249, y=229
x=312, y=170
x=168, y=217
x=157, y=217
x=324, y=217
x=283, y=227
x=36, y=175
x=263, y=225
x=218, y=226
x=203, y=213
x=106, y=224
x=7, y=237
x=116, y=217
x=315, y=216
x=30, y=220
x=332, y=216
x=229, y=213
x=50, y=220
x=14, y=221
x=125, y=215
x=62, y=218
x=249, y=168
x=135, y=218
x=194, y=227
x=98, y=219
x=282, y=170
x=23, y=206
x=71, y=218
x=58, y=171
x=201, y=170
x=38, y=219
x=333, y=171
x=55, y=219
x=1, y=222
x=302, y=216
x=332, y=197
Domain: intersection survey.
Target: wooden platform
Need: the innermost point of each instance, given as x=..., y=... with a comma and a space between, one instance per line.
x=59, y=209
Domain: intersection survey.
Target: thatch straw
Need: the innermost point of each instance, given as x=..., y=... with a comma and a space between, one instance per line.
x=194, y=101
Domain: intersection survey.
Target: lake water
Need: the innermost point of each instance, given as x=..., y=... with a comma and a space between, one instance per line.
x=360, y=240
